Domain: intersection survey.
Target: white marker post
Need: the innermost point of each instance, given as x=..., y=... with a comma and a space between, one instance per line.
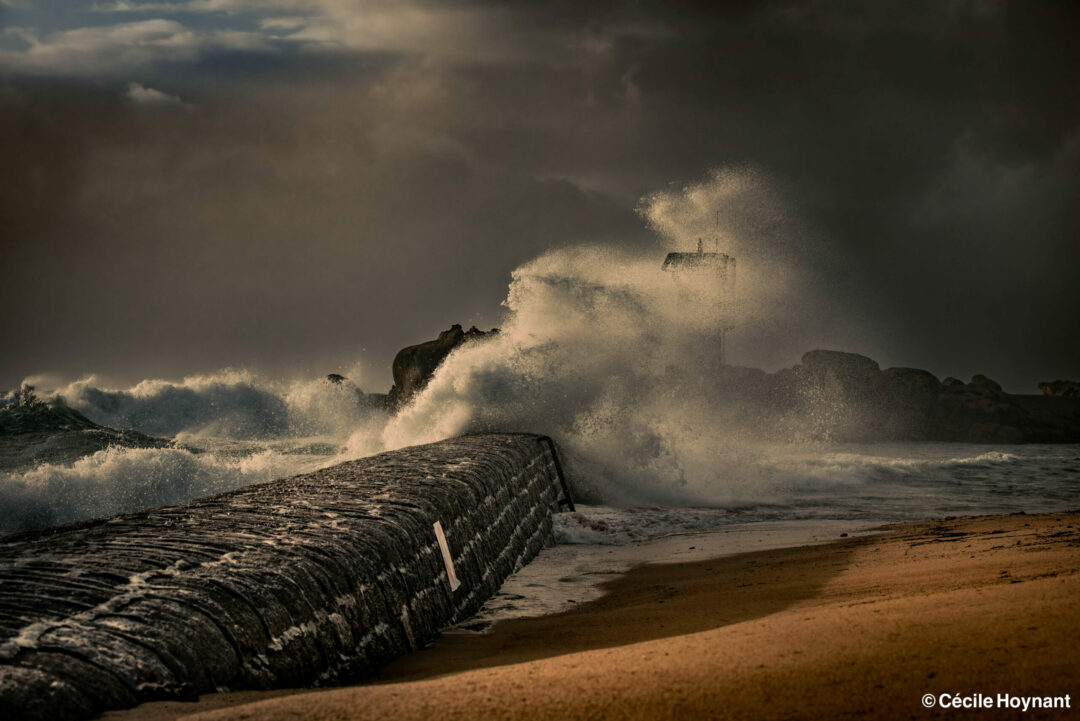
x=447, y=560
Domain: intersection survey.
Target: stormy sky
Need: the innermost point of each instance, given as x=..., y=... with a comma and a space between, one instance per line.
x=296, y=185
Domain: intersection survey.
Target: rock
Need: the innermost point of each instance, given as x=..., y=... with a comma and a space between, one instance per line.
x=831, y=395
x=1069, y=389
x=33, y=431
x=1054, y=419
x=843, y=365
x=336, y=378
x=413, y=366
x=845, y=397
x=24, y=412
x=980, y=381
x=904, y=399
x=912, y=381
x=977, y=413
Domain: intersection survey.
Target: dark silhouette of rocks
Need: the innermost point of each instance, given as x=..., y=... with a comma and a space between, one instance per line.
x=26, y=413
x=373, y=401
x=831, y=395
x=33, y=431
x=983, y=382
x=1068, y=389
x=312, y=580
x=848, y=368
x=413, y=366
x=846, y=397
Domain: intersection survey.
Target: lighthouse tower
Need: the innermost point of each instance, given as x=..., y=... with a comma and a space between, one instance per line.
x=722, y=266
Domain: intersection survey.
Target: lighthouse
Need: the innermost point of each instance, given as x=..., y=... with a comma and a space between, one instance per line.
x=720, y=265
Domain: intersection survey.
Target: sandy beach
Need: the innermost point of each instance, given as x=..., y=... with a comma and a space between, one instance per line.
x=963, y=609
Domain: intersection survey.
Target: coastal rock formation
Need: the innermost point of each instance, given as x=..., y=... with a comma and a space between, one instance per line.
x=830, y=395
x=374, y=401
x=315, y=579
x=33, y=431
x=413, y=366
x=846, y=397
x=1060, y=388
x=847, y=369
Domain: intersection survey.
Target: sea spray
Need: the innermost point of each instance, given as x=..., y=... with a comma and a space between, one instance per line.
x=118, y=480
x=230, y=404
x=601, y=349
x=620, y=361
x=614, y=358
x=231, y=429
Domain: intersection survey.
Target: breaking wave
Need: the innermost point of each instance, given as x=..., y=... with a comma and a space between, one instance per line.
x=227, y=405
x=119, y=480
x=599, y=348
x=603, y=351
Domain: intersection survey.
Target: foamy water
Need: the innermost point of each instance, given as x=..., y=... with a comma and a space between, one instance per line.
x=861, y=484
x=600, y=349
x=232, y=429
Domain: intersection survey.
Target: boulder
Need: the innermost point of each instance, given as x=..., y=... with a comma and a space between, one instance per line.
x=843, y=365
x=980, y=381
x=911, y=382
x=413, y=366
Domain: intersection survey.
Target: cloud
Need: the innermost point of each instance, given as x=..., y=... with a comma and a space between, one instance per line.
x=199, y=6
x=141, y=95
x=458, y=32
x=437, y=146
x=112, y=48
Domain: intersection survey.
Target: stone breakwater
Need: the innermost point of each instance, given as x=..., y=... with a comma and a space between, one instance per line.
x=311, y=580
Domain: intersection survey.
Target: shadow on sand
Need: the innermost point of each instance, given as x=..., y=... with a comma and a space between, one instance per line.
x=649, y=602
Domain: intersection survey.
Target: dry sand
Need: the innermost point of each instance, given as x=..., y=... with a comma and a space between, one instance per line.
x=860, y=628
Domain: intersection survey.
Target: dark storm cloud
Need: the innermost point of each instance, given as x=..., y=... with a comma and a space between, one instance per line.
x=327, y=181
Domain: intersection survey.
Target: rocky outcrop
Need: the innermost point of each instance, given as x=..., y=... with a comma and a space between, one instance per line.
x=830, y=395
x=33, y=431
x=846, y=397
x=372, y=401
x=1068, y=389
x=316, y=579
x=413, y=366
x=23, y=412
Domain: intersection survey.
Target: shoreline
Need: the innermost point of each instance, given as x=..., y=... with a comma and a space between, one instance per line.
x=860, y=626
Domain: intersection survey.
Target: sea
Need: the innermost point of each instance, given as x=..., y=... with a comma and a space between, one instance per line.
x=599, y=350
x=231, y=430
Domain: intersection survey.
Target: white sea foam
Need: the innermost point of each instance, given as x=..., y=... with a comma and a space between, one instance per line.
x=118, y=480
x=230, y=404
x=600, y=349
x=618, y=359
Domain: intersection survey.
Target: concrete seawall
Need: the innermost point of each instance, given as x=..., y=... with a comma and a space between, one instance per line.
x=310, y=580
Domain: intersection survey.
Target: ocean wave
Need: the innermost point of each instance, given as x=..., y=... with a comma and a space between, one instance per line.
x=599, y=348
x=603, y=525
x=232, y=404
x=990, y=458
x=119, y=480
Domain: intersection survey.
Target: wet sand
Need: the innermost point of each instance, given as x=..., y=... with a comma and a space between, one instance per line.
x=860, y=628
